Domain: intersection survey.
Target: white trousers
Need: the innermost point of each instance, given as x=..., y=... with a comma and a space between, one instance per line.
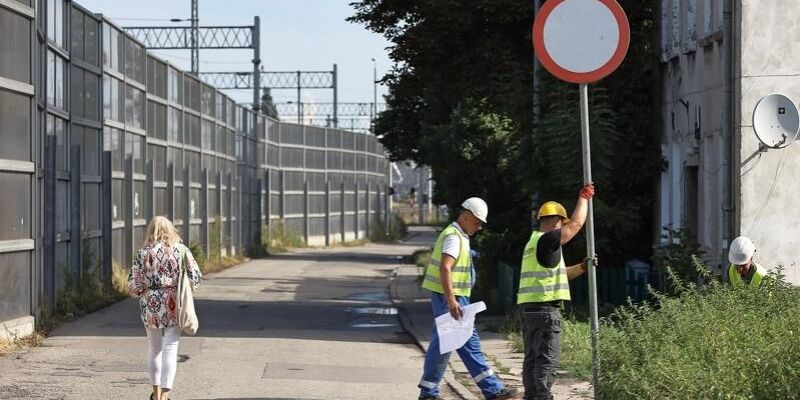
x=163, y=357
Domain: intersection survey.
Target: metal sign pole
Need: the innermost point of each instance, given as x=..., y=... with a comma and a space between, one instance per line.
x=590, y=251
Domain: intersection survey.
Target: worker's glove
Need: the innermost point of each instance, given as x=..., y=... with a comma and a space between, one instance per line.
x=586, y=260
x=587, y=191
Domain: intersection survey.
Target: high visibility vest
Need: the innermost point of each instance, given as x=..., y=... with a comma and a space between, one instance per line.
x=737, y=281
x=538, y=284
x=461, y=272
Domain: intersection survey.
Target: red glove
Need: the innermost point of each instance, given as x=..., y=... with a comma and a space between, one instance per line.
x=587, y=191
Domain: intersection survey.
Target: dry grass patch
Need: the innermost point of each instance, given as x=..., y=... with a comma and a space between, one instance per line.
x=7, y=347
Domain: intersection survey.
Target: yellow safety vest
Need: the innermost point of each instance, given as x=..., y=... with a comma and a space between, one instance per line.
x=737, y=281
x=460, y=274
x=538, y=284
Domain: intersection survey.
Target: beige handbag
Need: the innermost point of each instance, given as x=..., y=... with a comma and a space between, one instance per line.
x=187, y=318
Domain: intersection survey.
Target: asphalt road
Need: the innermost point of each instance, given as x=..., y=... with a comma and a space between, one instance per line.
x=315, y=324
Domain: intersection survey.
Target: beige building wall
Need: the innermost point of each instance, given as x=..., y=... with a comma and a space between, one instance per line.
x=770, y=181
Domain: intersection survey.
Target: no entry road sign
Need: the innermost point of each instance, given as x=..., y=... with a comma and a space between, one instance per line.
x=581, y=41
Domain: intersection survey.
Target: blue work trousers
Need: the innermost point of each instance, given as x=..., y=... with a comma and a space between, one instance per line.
x=471, y=355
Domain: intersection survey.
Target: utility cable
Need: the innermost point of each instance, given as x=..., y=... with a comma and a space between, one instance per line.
x=778, y=170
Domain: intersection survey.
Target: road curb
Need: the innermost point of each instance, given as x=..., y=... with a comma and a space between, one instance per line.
x=449, y=379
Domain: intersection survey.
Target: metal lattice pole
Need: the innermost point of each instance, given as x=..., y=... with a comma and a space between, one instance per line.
x=335, y=96
x=299, y=100
x=256, y=63
x=195, y=40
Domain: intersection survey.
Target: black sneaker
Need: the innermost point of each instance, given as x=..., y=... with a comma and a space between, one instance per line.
x=506, y=393
x=429, y=398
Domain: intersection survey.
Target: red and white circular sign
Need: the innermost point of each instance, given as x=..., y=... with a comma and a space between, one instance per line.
x=581, y=41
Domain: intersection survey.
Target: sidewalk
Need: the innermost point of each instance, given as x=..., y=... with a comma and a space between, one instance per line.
x=415, y=313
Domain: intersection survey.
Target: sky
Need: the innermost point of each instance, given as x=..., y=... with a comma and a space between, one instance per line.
x=295, y=35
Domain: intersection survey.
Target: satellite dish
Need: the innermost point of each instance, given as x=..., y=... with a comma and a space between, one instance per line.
x=776, y=121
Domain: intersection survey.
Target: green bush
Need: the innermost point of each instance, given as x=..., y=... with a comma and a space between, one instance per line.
x=276, y=239
x=397, y=230
x=199, y=254
x=677, y=252
x=214, y=261
x=710, y=342
x=89, y=294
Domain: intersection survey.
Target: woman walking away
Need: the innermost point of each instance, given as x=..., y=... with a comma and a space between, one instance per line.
x=154, y=279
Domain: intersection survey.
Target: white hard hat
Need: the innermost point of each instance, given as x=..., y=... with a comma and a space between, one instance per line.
x=477, y=206
x=741, y=251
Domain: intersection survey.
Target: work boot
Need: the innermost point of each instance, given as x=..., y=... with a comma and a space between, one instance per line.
x=506, y=393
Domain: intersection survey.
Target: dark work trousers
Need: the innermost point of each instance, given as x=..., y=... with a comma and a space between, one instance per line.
x=541, y=329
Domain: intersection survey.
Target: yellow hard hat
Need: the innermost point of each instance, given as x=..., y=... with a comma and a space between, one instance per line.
x=551, y=208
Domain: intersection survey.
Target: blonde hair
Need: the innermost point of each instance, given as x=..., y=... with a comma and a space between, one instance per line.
x=162, y=230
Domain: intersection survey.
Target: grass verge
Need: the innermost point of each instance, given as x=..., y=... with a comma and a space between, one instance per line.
x=421, y=258
x=576, y=351
x=710, y=342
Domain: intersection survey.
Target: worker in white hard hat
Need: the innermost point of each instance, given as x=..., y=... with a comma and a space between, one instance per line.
x=450, y=276
x=743, y=271
x=543, y=287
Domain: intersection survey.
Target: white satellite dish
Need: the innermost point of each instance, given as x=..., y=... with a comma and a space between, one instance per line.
x=776, y=121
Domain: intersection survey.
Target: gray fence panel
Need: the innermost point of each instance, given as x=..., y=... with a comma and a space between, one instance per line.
x=148, y=139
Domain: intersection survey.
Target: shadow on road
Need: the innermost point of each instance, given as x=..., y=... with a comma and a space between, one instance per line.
x=336, y=308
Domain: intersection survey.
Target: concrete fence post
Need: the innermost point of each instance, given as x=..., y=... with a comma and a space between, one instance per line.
x=219, y=197
x=240, y=217
x=268, y=204
x=282, y=176
x=170, y=195
x=187, y=201
x=357, y=219
x=204, y=209
x=49, y=239
x=368, y=210
x=75, y=236
x=387, y=213
x=127, y=205
x=106, y=220
x=231, y=205
x=257, y=199
x=149, y=191
x=343, y=214
x=327, y=213
x=306, y=212
x=245, y=202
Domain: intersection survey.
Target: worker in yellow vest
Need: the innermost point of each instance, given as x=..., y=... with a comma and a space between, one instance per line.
x=543, y=287
x=743, y=271
x=450, y=277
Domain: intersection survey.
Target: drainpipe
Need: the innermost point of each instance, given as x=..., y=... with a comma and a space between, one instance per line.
x=727, y=128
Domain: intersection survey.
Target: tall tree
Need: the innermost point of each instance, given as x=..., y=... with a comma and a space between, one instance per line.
x=460, y=100
x=268, y=105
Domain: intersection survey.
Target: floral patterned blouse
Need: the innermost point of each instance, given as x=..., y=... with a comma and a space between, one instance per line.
x=154, y=280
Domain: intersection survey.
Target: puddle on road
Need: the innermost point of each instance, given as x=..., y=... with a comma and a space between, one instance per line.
x=372, y=325
x=374, y=310
x=373, y=296
x=364, y=317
